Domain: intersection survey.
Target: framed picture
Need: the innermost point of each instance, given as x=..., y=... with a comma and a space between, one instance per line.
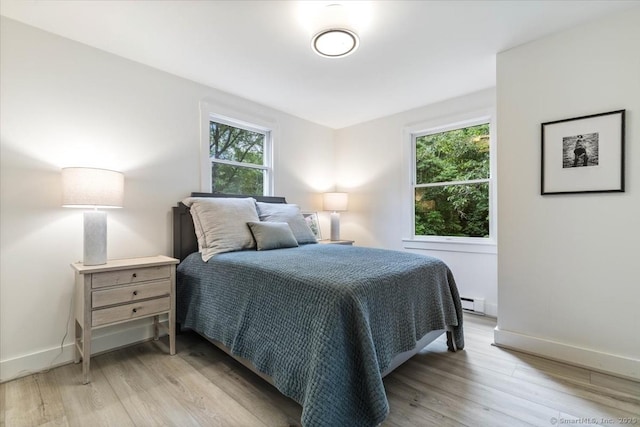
x=312, y=220
x=583, y=154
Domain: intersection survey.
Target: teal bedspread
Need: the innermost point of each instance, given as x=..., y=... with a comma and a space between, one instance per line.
x=322, y=320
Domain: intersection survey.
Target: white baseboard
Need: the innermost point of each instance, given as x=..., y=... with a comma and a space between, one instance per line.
x=612, y=364
x=102, y=341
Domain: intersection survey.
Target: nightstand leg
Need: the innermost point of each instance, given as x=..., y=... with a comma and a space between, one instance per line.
x=156, y=327
x=86, y=354
x=76, y=343
x=172, y=334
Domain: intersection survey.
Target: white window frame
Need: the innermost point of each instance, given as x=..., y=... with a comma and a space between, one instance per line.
x=253, y=123
x=447, y=243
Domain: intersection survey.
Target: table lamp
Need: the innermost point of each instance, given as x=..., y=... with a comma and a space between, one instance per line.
x=335, y=202
x=93, y=188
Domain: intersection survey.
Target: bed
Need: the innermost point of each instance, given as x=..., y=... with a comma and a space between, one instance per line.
x=322, y=323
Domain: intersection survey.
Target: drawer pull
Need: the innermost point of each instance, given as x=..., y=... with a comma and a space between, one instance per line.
x=135, y=293
x=134, y=275
x=135, y=310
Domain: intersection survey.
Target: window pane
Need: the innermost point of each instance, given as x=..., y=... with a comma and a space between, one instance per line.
x=455, y=155
x=235, y=144
x=236, y=179
x=453, y=210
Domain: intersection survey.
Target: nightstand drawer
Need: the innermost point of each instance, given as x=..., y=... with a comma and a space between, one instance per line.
x=131, y=293
x=130, y=311
x=133, y=275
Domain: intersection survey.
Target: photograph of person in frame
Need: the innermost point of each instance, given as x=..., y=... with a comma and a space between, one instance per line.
x=580, y=150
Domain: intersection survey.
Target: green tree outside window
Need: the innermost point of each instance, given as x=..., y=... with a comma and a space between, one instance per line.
x=452, y=183
x=237, y=157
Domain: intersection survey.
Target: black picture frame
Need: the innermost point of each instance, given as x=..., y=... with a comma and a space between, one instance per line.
x=583, y=154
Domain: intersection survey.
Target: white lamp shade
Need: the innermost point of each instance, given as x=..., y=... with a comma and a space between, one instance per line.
x=92, y=188
x=335, y=202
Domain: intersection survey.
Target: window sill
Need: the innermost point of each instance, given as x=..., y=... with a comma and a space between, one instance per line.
x=452, y=244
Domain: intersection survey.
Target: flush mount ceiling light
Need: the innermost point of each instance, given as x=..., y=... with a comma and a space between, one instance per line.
x=335, y=43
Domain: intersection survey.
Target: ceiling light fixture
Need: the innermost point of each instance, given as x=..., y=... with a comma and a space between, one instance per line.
x=335, y=43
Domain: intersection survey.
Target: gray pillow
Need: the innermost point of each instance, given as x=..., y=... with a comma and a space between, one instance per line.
x=272, y=235
x=221, y=224
x=283, y=212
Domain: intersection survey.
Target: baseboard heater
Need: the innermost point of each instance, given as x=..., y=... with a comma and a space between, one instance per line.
x=473, y=305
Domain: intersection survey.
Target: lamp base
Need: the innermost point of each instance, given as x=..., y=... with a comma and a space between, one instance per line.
x=335, y=226
x=95, y=238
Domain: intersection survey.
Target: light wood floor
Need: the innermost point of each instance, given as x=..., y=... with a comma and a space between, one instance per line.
x=201, y=386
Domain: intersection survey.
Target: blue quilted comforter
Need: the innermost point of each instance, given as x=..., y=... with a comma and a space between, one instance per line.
x=322, y=320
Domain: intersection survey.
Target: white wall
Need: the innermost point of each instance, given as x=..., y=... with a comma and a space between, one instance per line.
x=569, y=265
x=66, y=104
x=370, y=166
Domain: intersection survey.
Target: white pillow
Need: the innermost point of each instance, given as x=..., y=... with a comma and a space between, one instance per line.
x=221, y=224
x=283, y=212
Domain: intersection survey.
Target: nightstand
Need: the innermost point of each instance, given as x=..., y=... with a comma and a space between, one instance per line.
x=336, y=242
x=120, y=291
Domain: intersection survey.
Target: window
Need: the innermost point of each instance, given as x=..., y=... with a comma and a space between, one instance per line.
x=240, y=157
x=451, y=185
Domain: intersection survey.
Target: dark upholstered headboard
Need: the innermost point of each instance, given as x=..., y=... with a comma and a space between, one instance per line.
x=184, y=235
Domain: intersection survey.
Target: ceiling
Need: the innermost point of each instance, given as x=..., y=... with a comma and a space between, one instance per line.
x=412, y=53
